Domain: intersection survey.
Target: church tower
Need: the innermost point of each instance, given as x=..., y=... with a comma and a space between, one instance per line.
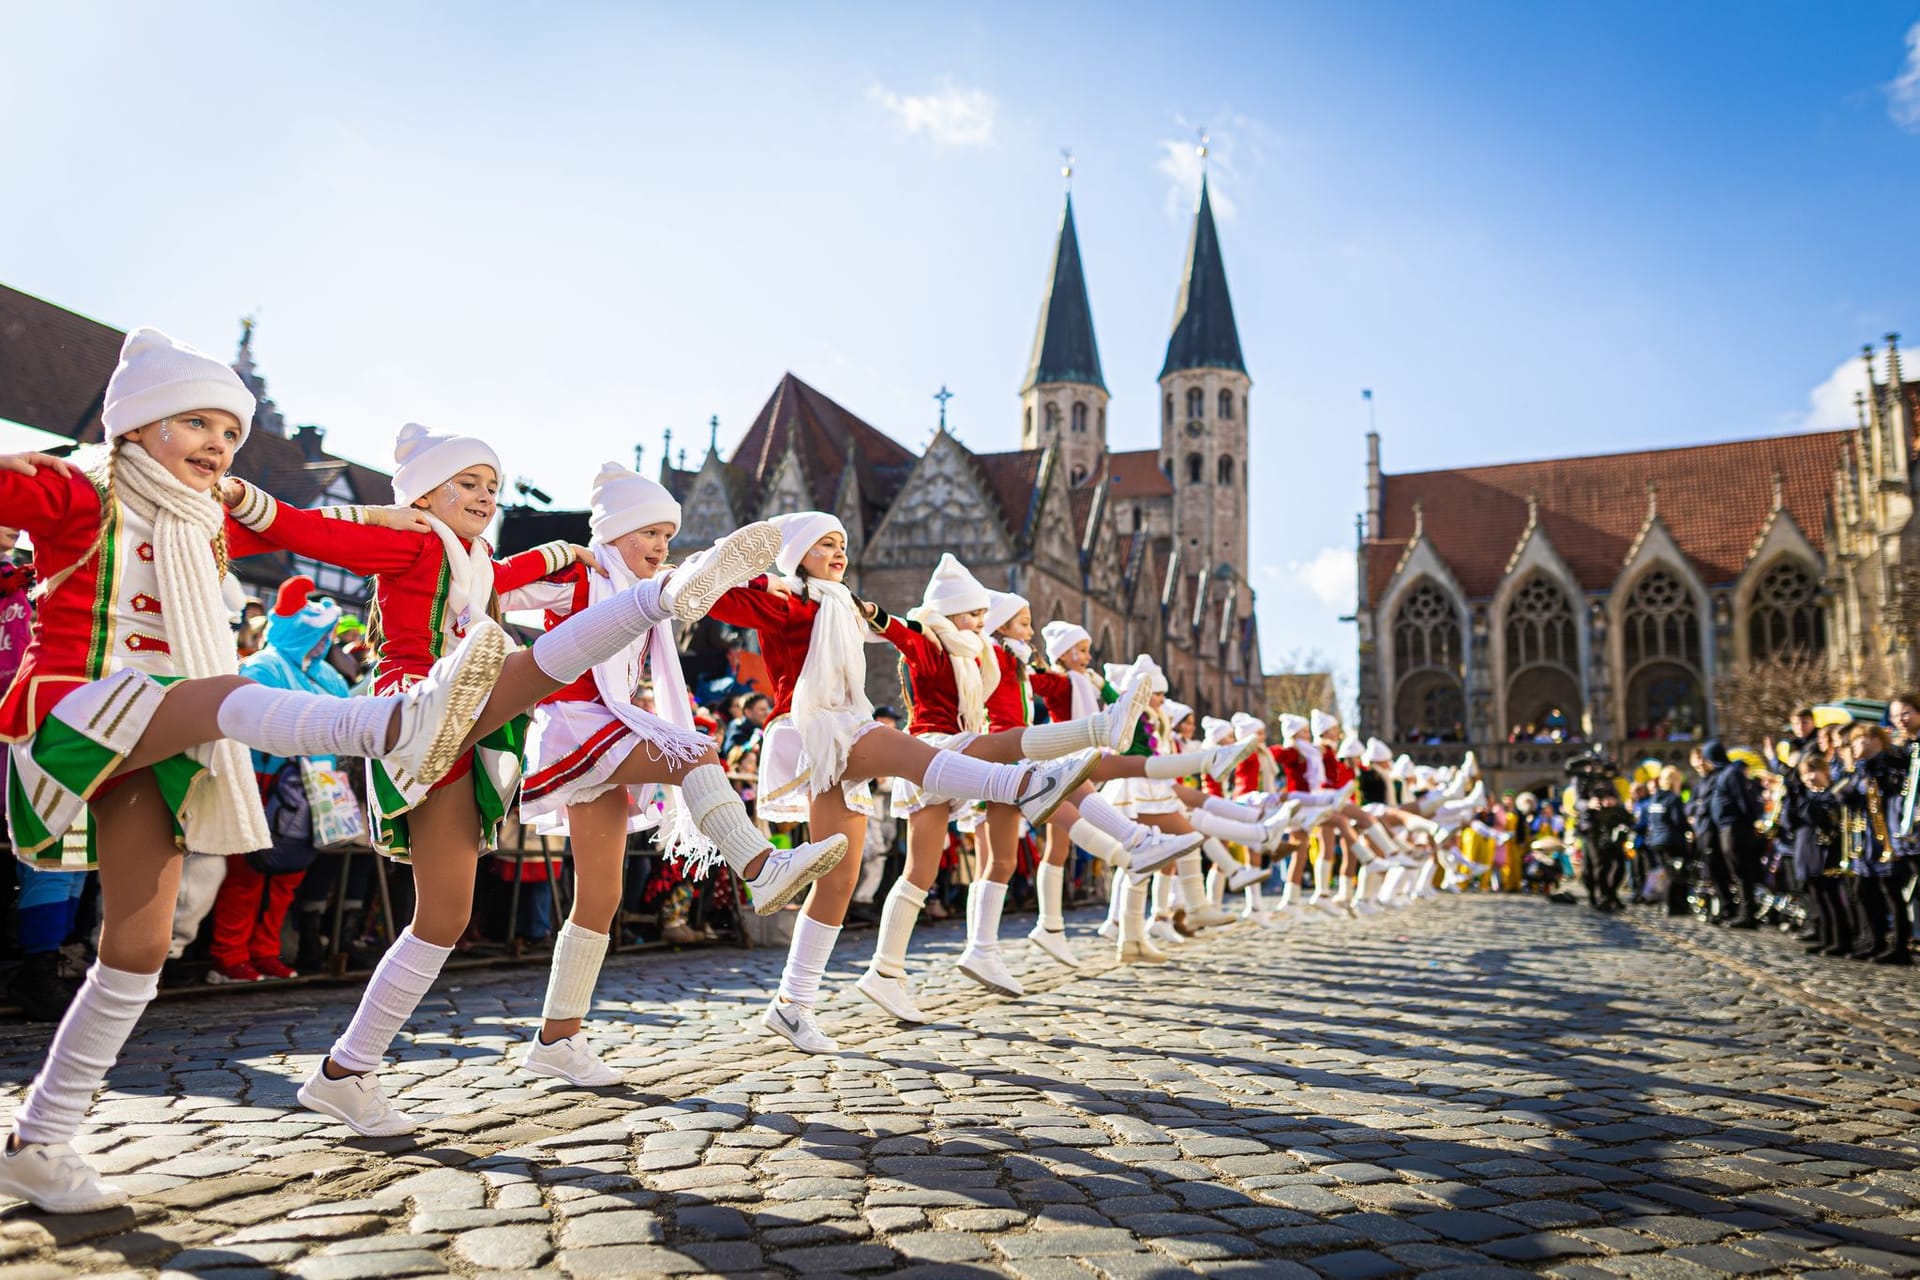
x=1063, y=398
x=1203, y=410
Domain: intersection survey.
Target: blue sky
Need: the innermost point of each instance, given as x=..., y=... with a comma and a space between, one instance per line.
x=1531, y=229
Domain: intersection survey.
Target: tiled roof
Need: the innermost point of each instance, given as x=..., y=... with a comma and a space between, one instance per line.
x=54, y=366
x=827, y=436
x=1714, y=499
x=1138, y=475
x=1012, y=477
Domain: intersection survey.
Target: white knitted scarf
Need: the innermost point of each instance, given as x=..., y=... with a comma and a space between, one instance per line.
x=975, y=672
x=830, y=704
x=222, y=813
x=618, y=677
x=1086, y=695
x=469, y=579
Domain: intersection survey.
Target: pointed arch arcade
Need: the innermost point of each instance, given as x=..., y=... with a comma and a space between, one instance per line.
x=1429, y=665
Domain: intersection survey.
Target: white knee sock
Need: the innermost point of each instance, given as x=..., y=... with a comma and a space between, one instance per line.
x=1217, y=854
x=1216, y=886
x=898, y=914
x=577, y=957
x=91, y=1035
x=1287, y=891
x=1052, y=741
x=1098, y=843
x=1116, y=894
x=1163, y=888
x=1193, y=881
x=1251, y=834
x=1382, y=843
x=399, y=981
x=961, y=777
x=1222, y=807
x=593, y=635
x=985, y=902
x=1049, y=885
x=1252, y=897
x=1390, y=882
x=1360, y=884
x=721, y=817
x=807, y=960
x=282, y=722
x=1132, y=897
x=1179, y=764
x=1099, y=811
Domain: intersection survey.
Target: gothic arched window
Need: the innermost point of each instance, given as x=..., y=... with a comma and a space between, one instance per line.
x=1167, y=420
x=1137, y=519
x=1079, y=474
x=1196, y=402
x=1195, y=466
x=1426, y=632
x=1543, y=659
x=1026, y=423
x=1103, y=423
x=1053, y=418
x=1785, y=617
x=1226, y=406
x=1079, y=418
x=1226, y=468
x=1660, y=643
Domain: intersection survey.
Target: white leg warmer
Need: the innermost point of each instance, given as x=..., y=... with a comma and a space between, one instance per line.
x=1098, y=842
x=1116, y=893
x=593, y=635
x=1390, y=882
x=986, y=901
x=1216, y=886
x=1099, y=811
x=961, y=777
x=283, y=722
x=1049, y=886
x=1217, y=855
x=1251, y=834
x=898, y=914
x=1052, y=741
x=807, y=960
x=1163, y=896
x=1132, y=898
x=399, y=981
x=721, y=817
x=1179, y=764
x=1193, y=881
x=91, y=1035
x=1382, y=843
x=577, y=957
x=1233, y=809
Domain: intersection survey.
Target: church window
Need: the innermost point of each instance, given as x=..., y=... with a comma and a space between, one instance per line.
x=1661, y=621
x=1226, y=468
x=1167, y=421
x=1196, y=403
x=1195, y=467
x=1103, y=423
x=1053, y=418
x=1026, y=423
x=1660, y=640
x=1785, y=617
x=1226, y=406
x=1136, y=519
x=1078, y=474
x=1079, y=418
x=1429, y=704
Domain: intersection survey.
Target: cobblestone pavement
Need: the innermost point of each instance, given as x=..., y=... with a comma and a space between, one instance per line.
x=1474, y=1087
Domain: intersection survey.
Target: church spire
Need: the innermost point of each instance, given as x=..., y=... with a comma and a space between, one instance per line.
x=1204, y=333
x=1063, y=346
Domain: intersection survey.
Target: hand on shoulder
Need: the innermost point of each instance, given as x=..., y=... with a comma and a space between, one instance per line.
x=29, y=464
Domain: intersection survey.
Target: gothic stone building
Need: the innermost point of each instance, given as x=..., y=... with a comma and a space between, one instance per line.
x=1146, y=549
x=1607, y=594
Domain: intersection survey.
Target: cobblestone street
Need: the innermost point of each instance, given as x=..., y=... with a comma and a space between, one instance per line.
x=1475, y=1086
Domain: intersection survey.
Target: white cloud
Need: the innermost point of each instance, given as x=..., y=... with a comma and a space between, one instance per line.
x=1830, y=405
x=1332, y=577
x=1903, y=91
x=952, y=115
x=1179, y=161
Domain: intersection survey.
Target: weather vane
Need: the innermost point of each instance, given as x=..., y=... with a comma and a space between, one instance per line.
x=1066, y=165
x=1202, y=148
x=943, y=395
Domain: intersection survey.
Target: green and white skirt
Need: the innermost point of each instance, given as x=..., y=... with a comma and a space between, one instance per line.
x=492, y=769
x=71, y=757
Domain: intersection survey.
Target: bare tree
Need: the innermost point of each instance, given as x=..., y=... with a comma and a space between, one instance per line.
x=1304, y=681
x=1756, y=698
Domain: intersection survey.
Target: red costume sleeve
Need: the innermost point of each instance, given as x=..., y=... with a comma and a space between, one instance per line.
x=751, y=606
x=530, y=566
x=262, y=524
x=45, y=501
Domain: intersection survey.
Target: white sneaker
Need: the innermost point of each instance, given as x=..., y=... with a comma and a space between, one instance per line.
x=1054, y=943
x=54, y=1178
x=1151, y=848
x=1108, y=929
x=1119, y=721
x=1163, y=931
x=1244, y=877
x=355, y=1101
x=986, y=967
x=1228, y=758
x=692, y=589
x=437, y=711
x=1280, y=823
x=795, y=1022
x=787, y=872
x=1141, y=952
x=1051, y=783
x=1366, y=907
x=571, y=1060
x=892, y=994
x=1211, y=917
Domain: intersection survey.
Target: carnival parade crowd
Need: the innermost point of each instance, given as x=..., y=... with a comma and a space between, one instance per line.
x=136, y=733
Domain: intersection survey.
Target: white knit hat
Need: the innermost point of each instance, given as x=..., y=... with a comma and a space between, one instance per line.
x=799, y=530
x=1060, y=637
x=1245, y=725
x=953, y=589
x=1350, y=749
x=1144, y=665
x=1402, y=767
x=1217, y=732
x=424, y=458
x=1175, y=712
x=1378, y=752
x=625, y=500
x=1291, y=727
x=158, y=378
x=1320, y=722
x=1004, y=605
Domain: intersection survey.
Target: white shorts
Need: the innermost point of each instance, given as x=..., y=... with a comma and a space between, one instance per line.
x=574, y=748
x=908, y=798
x=784, y=795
